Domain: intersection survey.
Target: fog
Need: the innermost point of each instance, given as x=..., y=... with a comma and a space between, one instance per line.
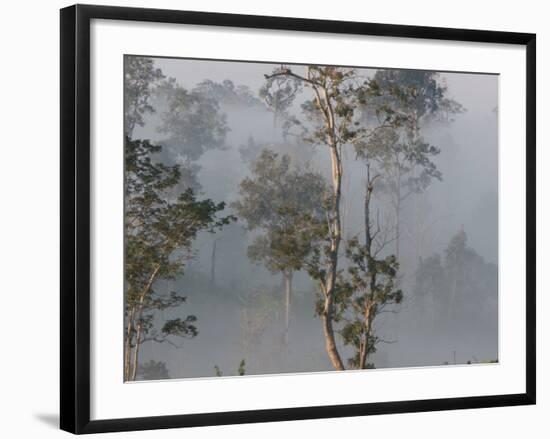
x=239, y=304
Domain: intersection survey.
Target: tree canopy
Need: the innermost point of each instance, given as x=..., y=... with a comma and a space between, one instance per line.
x=159, y=232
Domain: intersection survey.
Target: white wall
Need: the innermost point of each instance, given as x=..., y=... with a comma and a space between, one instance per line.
x=29, y=217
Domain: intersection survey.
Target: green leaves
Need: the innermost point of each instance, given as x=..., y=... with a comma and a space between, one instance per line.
x=141, y=78
x=227, y=94
x=242, y=368
x=153, y=370
x=192, y=122
x=404, y=101
x=286, y=204
x=367, y=287
x=160, y=227
x=279, y=92
x=240, y=371
x=460, y=280
x=180, y=327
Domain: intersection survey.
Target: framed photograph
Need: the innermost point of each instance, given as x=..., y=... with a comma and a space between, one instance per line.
x=273, y=218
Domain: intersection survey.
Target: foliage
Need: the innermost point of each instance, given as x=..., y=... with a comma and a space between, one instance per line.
x=408, y=99
x=140, y=80
x=331, y=118
x=192, y=122
x=430, y=278
x=461, y=283
x=361, y=296
x=159, y=232
x=406, y=165
x=229, y=94
x=414, y=95
x=285, y=204
x=250, y=152
x=279, y=93
x=241, y=371
x=153, y=370
x=242, y=368
x=404, y=101
x=337, y=95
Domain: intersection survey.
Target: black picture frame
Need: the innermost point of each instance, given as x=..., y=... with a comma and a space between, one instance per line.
x=75, y=217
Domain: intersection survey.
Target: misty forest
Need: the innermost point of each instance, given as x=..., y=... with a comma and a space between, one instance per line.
x=284, y=218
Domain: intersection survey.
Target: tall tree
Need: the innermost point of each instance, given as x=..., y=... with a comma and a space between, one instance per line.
x=286, y=205
x=461, y=283
x=229, y=94
x=410, y=99
x=332, y=120
x=153, y=370
x=250, y=151
x=159, y=231
x=279, y=93
x=370, y=286
x=141, y=78
x=192, y=122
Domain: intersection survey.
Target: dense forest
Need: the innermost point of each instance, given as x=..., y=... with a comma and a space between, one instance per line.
x=296, y=218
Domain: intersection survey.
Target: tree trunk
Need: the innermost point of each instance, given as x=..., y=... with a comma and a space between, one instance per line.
x=418, y=232
x=335, y=227
x=330, y=343
x=398, y=220
x=144, y=293
x=275, y=117
x=324, y=104
x=288, y=295
x=369, y=311
x=128, y=345
x=136, y=352
x=365, y=348
x=335, y=238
